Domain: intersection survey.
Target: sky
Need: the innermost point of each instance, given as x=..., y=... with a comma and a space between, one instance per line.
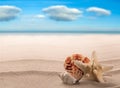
x=59, y=15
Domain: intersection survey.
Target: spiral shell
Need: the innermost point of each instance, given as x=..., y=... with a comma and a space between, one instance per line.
x=71, y=68
x=67, y=78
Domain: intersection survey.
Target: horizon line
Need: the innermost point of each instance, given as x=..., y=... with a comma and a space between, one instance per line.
x=54, y=31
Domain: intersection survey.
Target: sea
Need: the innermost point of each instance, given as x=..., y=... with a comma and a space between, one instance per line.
x=59, y=32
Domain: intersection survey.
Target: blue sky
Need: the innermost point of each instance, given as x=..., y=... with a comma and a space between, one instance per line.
x=59, y=15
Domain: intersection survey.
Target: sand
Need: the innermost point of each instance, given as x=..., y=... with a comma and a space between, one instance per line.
x=44, y=74
x=34, y=61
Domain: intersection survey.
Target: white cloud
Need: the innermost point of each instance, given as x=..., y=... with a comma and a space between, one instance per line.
x=8, y=12
x=62, y=13
x=40, y=16
x=99, y=11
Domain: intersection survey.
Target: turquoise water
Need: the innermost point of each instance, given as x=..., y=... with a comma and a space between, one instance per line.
x=61, y=32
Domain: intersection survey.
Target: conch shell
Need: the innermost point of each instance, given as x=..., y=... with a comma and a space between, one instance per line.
x=78, y=66
x=67, y=78
x=73, y=73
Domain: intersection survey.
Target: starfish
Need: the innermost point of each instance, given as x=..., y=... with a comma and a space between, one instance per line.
x=93, y=70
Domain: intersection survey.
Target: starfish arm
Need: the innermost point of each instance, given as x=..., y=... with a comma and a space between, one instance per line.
x=94, y=57
x=87, y=75
x=98, y=76
x=107, y=68
x=80, y=65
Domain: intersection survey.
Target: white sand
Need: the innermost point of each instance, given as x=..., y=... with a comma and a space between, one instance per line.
x=33, y=61
x=57, y=47
x=44, y=74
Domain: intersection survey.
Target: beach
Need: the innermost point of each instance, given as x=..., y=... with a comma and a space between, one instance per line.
x=35, y=60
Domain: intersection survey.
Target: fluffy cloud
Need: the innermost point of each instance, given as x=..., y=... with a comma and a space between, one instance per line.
x=8, y=12
x=99, y=11
x=40, y=16
x=62, y=13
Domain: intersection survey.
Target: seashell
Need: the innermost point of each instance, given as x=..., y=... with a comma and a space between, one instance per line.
x=77, y=66
x=72, y=69
x=67, y=78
